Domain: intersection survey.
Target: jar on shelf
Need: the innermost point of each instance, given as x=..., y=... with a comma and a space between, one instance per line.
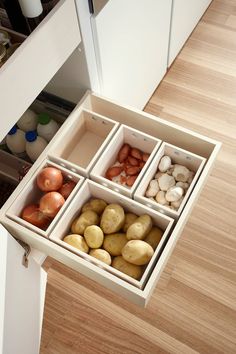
x=5, y=38
x=12, y=49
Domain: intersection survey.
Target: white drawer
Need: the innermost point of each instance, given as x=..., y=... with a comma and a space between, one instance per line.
x=161, y=129
x=36, y=61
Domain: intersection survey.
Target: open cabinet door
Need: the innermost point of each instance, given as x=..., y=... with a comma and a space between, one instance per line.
x=22, y=293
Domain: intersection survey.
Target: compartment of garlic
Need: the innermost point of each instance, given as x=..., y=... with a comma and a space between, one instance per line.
x=170, y=183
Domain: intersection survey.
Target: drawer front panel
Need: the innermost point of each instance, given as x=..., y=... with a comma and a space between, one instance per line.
x=36, y=61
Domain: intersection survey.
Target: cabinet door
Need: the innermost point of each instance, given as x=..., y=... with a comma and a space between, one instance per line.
x=36, y=61
x=131, y=43
x=21, y=299
x=185, y=16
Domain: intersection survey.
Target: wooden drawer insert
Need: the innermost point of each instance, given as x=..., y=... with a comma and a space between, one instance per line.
x=160, y=129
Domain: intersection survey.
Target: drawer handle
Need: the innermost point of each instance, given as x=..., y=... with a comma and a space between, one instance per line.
x=25, y=259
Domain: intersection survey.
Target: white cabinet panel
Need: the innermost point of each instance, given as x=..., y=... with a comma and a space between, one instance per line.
x=36, y=61
x=131, y=44
x=22, y=296
x=185, y=16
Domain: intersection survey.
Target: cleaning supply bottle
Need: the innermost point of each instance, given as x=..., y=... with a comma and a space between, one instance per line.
x=47, y=127
x=28, y=121
x=3, y=145
x=34, y=145
x=16, y=143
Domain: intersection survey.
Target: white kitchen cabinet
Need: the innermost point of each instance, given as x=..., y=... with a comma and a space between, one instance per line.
x=126, y=47
x=123, y=54
x=185, y=16
x=36, y=61
x=131, y=44
x=22, y=296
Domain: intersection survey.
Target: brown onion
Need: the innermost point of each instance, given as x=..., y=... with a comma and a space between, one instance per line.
x=67, y=188
x=49, y=179
x=34, y=216
x=51, y=203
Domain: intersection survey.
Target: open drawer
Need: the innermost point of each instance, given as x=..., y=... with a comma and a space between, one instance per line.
x=154, y=126
x=35, y=62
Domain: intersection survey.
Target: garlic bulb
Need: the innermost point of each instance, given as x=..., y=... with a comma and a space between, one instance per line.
x=191, y=175
x=158, y=175
x=152, y=189
x=183, y=185
x=174, y=193
x=166, y=181
x=160, y=198
x=181, y=173
x=164, y=164
x=177, y=203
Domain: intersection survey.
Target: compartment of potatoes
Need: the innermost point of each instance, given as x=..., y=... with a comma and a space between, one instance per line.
x=170, y=179
x=120, y=236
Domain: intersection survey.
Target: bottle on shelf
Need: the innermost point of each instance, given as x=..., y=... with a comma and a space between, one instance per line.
x=28, y=121
x=16, y=143
x=3, y=145
x=47, y=127
x=5, y=38
x=12, y=16
x=3, y=54
x=48, y=5
x=34, y=145
x=33, y=12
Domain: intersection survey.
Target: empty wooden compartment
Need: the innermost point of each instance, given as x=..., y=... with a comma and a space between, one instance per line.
x=91, y=190
x=145, y=143
x=178, y=156
x=31, y=194
x=82, y=141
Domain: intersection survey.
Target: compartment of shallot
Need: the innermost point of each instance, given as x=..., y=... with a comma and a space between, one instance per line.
x=124, y=161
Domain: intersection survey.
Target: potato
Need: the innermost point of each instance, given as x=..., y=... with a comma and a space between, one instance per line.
x=140, y=228
x=114, y=243
x=102, y=255
x=77, y=241
x=132, y=270
x=112, y=219
x=137, y=252
x=97, y=205
x=129, y=219
x=94, y=236
x=85, y=219
x=154, y=237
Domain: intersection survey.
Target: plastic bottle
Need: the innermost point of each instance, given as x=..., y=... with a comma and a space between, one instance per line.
x=3, y=144
x=28, y=121
x=16, y=143
x=32, y=10
x=34, y=145
x=47, y=127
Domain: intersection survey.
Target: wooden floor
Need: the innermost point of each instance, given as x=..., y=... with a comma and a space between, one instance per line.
x=193, y=309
